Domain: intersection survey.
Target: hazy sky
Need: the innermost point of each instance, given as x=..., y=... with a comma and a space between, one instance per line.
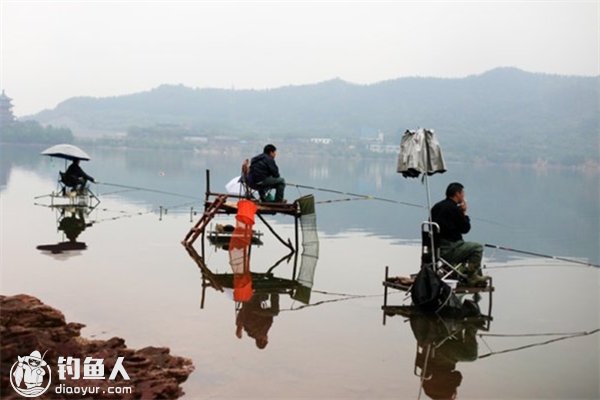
x=53, y=50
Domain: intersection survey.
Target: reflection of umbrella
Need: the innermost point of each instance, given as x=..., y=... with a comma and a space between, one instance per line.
x=66, y=151
x=64, y=249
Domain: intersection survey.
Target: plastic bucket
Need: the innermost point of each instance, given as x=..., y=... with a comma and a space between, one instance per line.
x=242, y=287
x=246, y=212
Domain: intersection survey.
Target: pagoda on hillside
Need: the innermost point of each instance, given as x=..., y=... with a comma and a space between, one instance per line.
x=6, y=114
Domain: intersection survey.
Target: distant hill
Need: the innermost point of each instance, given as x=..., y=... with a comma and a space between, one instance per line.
x=503, y=114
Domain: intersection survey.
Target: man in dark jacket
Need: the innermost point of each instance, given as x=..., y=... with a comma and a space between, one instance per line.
x=264, y=174
x=76, y=177
x=451, y=215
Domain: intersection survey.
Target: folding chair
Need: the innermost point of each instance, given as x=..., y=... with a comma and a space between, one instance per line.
x=430, y=252
x=248, y=189
x=66, y=182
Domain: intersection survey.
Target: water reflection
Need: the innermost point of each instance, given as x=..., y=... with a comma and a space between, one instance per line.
x=256, y=294
x=441, y=345
x=256, y=311
x=268, y=282
x=255, y=317
x=71, y=221
x=522, y=223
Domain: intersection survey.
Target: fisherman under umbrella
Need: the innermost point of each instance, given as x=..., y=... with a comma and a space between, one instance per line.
x=74, y=176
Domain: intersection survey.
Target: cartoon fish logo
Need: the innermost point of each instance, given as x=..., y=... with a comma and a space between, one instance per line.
x=28, y=374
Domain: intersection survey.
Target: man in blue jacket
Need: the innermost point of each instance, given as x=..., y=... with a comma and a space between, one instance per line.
x=264, y=174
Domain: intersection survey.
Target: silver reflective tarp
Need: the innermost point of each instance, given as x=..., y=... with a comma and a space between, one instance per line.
x=420, y=153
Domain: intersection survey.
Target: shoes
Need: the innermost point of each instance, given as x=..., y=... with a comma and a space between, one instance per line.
x=477, y=280
x=284, y=201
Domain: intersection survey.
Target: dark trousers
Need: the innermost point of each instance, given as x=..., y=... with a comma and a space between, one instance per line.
x=272, y=183
x=460, y=251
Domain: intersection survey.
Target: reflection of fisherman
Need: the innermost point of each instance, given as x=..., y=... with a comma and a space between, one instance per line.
x=76, y=177
x=449, y=342
x=72, y=225
x=30, y=371
x=256, y=318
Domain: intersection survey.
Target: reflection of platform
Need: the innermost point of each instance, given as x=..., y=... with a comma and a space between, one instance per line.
x=405, y=284
x=412, y=311
x=72, y=198
x=230, y=207
x=264, y=282
x=62, y=247
x=261, y=282
x=221, y=239
x=391, y=282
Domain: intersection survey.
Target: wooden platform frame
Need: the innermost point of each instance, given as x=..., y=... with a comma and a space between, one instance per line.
x=216, y=203
x=390, y=310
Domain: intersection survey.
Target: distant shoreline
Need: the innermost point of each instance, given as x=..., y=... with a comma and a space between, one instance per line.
x=245, y=149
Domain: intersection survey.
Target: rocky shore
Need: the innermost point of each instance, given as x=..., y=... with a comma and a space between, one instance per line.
x=27, y=324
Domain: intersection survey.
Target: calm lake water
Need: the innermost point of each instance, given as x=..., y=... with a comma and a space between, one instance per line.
x=136, y=281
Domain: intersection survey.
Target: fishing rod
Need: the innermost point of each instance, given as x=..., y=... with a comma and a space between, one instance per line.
x=531, y=253
x=358, y=196
x=363, y=196
x=546, y=342
x=129, y=214
x=340, y=200
x=149, y=190
x=318, y=303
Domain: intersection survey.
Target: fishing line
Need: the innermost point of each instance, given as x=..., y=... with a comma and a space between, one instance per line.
x=358, y=196
x=531, y=253
x=363, y=196
x=138, y=213
x=148, y=190
x=538, y=334
x=116, y=191
x=318, y=303
x=575, y=335
x=344, y=294
x=532, y=266
x=340, y=200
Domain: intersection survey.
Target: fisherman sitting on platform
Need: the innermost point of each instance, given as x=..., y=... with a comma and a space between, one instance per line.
x=451, y=215
x=264, y=174
x=75, y=177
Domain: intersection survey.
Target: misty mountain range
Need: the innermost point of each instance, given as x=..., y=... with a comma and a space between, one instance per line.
x=503, y=114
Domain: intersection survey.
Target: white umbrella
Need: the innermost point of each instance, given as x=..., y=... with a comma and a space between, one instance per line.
x=66, y=151
x=234, y=186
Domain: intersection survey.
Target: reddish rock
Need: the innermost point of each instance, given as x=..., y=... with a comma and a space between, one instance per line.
x=27, y=324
